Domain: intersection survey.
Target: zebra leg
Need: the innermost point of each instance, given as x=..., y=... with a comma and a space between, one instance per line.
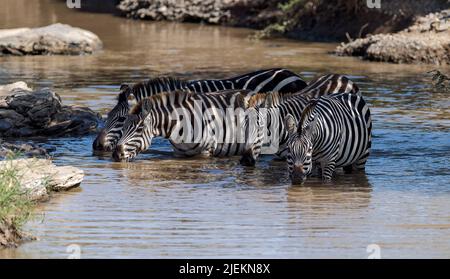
x=247, y=160
x=328, y=170
x=348, y=169
x=250, y=156
x=317, y=170
x=361, y=163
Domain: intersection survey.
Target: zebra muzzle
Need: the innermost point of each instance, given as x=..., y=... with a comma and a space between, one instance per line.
x=119, y=153
x=298, y=175
x=99, y=142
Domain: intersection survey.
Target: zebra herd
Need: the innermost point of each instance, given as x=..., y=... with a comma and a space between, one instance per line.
x=324, y=124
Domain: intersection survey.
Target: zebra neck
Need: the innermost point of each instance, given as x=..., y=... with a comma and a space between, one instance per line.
x=161, y=125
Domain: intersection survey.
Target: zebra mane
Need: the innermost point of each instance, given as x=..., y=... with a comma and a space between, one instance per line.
x=307, y=112
x=137, y=108
x=124, y=93
x=166, y=83
x=269, y=99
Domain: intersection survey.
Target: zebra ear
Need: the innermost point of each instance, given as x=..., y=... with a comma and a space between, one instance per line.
x=291, y=124
x=125, y=90
x=125, y=87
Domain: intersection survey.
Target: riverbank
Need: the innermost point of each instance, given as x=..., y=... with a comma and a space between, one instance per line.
x=316, y=20
x=427, y=41
x=23, y=183
x=33, y=177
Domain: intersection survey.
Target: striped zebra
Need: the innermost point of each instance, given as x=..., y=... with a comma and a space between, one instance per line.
x=107, y=138
x=280, y=80
x=209, y=125
x=274, y=107
x=334, y=131
x=329, y=84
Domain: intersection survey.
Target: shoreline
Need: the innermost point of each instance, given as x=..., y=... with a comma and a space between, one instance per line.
x=314, y=21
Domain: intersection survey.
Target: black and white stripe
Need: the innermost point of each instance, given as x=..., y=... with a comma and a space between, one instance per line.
x=280, y=80
x=329, y=84
x=160, y=115
x=274, y=107
x=334, y=131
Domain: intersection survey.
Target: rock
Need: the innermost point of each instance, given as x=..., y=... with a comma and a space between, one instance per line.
x=25, y=113
x=211, y=11
x=55, y=39
x=24, y=149
x=5, y=89
x=38, y=177
x=426, y=41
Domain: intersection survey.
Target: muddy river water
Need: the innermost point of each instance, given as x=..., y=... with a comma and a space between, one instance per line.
x=159, y=206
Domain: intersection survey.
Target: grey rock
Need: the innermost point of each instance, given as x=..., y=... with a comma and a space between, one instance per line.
x=41, y=113
x=55, y=39
x=39, y=177
x=6, y=89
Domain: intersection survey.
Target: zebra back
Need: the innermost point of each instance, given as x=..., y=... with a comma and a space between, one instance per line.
x=329, y=84
x=157, y=85
x=277, y=79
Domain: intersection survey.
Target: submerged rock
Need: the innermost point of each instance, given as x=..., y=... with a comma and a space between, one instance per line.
x=426, y=41
x=25, y=113
x=55, y=39
x=39, y=177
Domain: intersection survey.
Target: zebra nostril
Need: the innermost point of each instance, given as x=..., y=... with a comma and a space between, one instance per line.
x=298, y=169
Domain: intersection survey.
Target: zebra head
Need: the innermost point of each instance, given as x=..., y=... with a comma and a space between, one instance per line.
x=136, y=134
x=300, y=149
x=106, y=140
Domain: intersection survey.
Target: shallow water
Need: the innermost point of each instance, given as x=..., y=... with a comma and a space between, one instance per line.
x=159, y=206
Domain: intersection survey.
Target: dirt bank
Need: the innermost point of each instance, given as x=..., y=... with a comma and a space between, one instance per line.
x=427, y=40
x=23, y=182
x=331, y=20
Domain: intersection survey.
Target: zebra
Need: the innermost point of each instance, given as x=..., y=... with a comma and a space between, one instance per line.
x=334, y=131
x=158, y=115
x=276, y=79
x=273, y=107
x=329, y=84
x=112, y=131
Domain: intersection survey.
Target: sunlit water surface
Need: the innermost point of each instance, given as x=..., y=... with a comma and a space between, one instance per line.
x=160, y=206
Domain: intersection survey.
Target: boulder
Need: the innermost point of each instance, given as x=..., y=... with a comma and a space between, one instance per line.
x=5, y=89
x=39, y=177
x=426, y=41
x=25, y=113
x=55, y=39
x=24, y=149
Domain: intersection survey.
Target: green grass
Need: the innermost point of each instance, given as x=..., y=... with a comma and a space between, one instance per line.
x=291, y=5
x=285, y=22
x=15, y=206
